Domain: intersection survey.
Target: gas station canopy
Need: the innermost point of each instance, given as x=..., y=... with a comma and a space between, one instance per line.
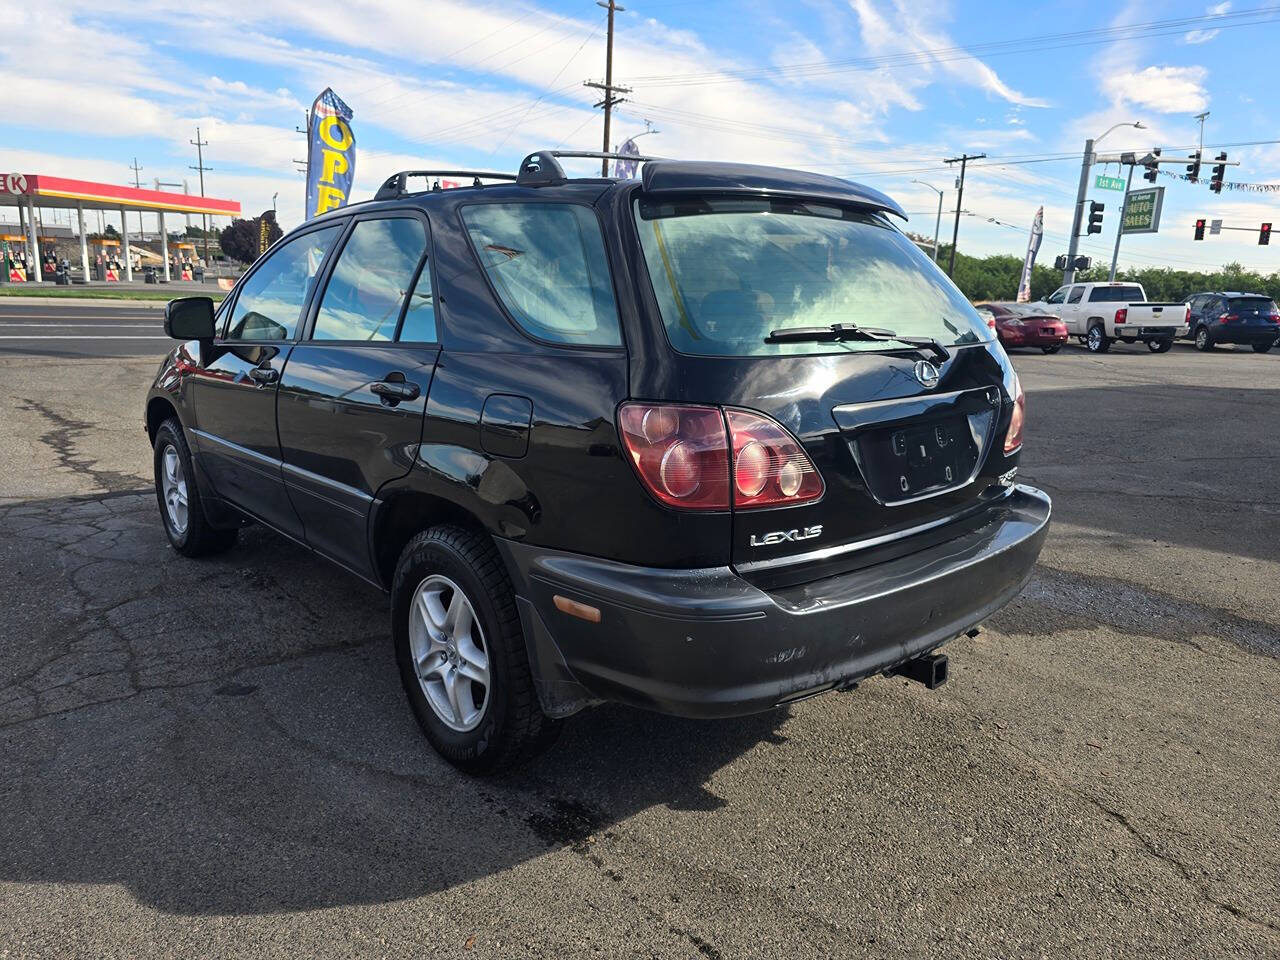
x=23, y=189
x=27, y=191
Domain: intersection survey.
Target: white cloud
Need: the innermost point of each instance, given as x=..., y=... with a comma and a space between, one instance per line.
x=1204, y=36
x=1165, y=89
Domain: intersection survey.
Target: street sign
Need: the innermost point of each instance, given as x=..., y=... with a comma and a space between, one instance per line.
x=1215, y=227
x=1142, y=211
x=1104, y=182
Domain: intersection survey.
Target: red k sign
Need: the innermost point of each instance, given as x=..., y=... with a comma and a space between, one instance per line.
x=13, y=183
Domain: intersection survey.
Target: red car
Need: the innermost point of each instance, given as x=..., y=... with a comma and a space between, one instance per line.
x=1020, y=326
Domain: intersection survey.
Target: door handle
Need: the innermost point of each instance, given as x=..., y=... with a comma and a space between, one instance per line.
x=264, y=375
x=393, y=390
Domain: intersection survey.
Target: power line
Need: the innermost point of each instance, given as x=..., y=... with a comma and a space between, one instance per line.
x=963, y=160
x=608, y=87
x=200, y=145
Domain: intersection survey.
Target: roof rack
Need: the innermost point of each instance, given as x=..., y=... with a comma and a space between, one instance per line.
x=542, y=169
x=395, y=185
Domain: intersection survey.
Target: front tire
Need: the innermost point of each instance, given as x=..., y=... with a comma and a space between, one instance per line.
x=1262, y=347
x=1204, y=342
x=1160, y=346
x=178, y=493
x=461, y=652
x=1097, y=340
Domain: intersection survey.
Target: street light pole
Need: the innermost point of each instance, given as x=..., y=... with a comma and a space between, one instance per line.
x=937, y=224
x=1073, y=246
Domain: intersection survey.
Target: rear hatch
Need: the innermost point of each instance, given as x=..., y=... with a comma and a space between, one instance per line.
x=1251, y=311
x=831, y=322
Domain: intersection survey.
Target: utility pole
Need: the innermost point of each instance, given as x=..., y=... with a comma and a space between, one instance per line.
x=137, y=185
x=963, y=160
x=609, y=101
x=200, y=145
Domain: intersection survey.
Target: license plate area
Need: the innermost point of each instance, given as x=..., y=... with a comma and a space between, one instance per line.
x=923, y=447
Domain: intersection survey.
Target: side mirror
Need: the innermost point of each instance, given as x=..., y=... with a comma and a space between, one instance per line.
x=190, y=318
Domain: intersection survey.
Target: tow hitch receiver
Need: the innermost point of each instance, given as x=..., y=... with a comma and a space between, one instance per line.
x=931, y=670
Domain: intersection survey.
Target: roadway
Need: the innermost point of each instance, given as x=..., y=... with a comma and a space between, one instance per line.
x=214, y=758
x=77, y=328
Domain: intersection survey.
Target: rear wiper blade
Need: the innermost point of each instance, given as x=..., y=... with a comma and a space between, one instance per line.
x=828, y=334
x=837, y=332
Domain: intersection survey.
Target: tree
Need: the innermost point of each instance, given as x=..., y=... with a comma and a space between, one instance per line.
x=110, y=231
x=240, y=240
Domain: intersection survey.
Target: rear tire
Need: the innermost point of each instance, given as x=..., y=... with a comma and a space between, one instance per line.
x=1160, y=346
x=1096, y=340
x=1204, y=342
x=1262, y=347
x=1054, y=349
x=488, y=725
x=178, y=493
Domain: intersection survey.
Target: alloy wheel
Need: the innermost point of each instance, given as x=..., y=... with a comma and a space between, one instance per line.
x=173, y=484
x=449, y=652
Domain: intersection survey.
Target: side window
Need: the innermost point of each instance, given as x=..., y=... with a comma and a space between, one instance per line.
x=420, y=319
x=1196, y=302
x=1076, y=294
x=547, y=263
x=363, y=297
x=1057, y=295
x=270, y=302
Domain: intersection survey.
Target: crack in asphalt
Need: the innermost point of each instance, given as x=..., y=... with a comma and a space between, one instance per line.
x=62, y=440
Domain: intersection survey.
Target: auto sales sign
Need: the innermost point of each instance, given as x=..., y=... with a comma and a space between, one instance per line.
x=331, y=154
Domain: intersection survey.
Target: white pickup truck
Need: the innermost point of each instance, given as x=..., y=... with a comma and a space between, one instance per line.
x=1099, y=313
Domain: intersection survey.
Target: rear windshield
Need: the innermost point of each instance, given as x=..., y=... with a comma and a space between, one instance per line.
x=728, y=272
x=1253, y=305
x=1116, y=295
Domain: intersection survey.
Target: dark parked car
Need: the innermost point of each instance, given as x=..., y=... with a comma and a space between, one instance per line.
x=707, y=442
x=1244, y=318
x=1021, y=326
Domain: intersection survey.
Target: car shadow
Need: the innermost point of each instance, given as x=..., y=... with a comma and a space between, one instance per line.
x=229, y=736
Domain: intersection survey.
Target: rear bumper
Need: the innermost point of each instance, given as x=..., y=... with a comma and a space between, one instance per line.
x=707, y=643
x=1139, y=332
x=1244, y=335
x=1033, y=338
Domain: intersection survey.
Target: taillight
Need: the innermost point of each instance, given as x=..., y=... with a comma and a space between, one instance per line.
x=1227, y=318
x=1013, y=439
x=687, y=458
x=1122, y=315
x=1187, y=318
x=769, y=467
x=681, y=453
x=1274, y=318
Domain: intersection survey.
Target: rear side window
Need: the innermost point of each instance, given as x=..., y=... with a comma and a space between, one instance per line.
x=1116, y=295
x=1076, y=294
x=371, y=279
x=547, y=263
x=270, y=302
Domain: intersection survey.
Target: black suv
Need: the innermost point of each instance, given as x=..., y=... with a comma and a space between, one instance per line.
x=1244, y=318
x=705, y=442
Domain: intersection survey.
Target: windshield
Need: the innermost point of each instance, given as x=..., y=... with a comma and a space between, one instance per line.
x=729, y=272
x=1116, y=295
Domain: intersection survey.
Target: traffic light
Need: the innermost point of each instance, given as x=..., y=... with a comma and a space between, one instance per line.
x=1264, y=235
x=1219, y=171
x=1200, y=229
x=1153, y=166
x=1193, y=168
x=1095, y=216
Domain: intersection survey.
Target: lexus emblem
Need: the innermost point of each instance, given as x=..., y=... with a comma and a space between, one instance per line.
x=927, y=374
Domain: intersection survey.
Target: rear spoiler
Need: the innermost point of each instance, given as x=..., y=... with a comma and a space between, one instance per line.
x=682, y=177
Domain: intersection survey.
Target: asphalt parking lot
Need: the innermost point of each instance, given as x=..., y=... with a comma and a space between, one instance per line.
x=214, y=758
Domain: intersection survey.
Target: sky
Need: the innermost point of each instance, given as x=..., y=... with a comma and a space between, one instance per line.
x=877, y=91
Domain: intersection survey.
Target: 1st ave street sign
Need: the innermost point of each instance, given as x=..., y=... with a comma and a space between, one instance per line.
x=1104, y=182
